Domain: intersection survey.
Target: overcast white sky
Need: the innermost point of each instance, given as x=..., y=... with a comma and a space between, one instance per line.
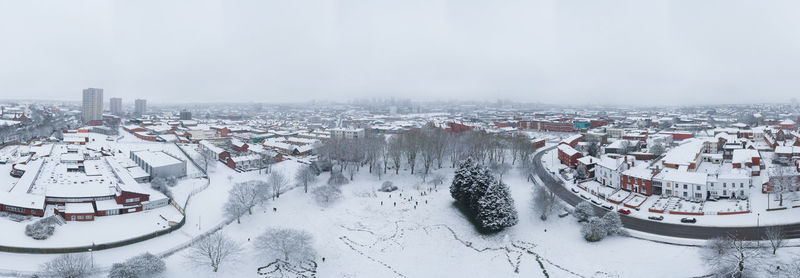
x=582, y=52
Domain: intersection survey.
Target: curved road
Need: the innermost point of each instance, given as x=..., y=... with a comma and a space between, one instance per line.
x=693, y=231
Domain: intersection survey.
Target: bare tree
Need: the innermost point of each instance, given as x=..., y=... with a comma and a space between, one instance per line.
x=411, y=147
x=286, y=244
x=379, y=172
x=235, y=209
x=242, y=197
x=782, y=181
x=304, y=176
x=544, y=202
x=68, y=266
x=396, y=152
x=351, y=171
x=213, y=251
x=775, y=236
x=731, y=256
x=277, y=181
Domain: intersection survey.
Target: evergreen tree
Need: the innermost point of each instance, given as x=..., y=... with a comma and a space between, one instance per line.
x=496, y=208
x=463, y=179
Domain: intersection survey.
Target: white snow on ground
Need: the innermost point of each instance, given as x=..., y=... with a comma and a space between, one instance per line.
x=103, y=229
x=359, y=237
x=362, y=238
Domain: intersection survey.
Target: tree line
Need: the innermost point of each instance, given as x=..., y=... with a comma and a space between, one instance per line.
x=421, y=151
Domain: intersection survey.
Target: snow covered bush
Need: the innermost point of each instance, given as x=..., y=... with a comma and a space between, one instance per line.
x=68, y=265
x=337, y=178
x=583, y=211
x=326, y=194
x=594, y=229
x=144, y=265
x=612, y=223
x=483, y=196
x=388, y=186
x=41, y=229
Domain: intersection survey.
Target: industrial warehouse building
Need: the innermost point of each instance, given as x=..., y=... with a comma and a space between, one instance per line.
x=159, y=164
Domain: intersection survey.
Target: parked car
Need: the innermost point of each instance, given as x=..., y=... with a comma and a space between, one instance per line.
x=608, y=207
x=689, y=220
x=574, y=190
x=656, y=218
x=595, y=202
x=584, y=197
x=624, y=211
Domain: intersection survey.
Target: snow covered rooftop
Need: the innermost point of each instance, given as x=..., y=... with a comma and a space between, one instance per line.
x=72, y=208
x=684, y=154
x=157, y=159
x=744, y=155
x=570, y=151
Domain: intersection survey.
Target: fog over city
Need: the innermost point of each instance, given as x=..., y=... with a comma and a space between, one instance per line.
x=560, y=52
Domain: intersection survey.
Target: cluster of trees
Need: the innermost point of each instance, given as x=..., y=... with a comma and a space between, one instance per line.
x=596, y=228
x=421, y=151
x=483, y=196
x=275, y=244
x=242, y=197
x=79, y=265
x=144, y=265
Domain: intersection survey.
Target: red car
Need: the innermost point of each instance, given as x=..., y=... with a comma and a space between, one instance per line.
x=624, y=211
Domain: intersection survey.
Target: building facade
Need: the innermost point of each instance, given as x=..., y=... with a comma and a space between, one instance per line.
x=115, y=104
x=92, y=109
x=140, y=107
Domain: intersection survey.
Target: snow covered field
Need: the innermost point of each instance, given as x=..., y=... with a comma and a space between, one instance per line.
x=375, y=234
x=362, y=238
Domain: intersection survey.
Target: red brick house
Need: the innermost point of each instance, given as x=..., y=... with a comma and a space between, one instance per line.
x=568, y=155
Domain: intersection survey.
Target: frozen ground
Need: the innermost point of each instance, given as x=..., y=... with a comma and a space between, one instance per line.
x=362, y=238
x=359, y=237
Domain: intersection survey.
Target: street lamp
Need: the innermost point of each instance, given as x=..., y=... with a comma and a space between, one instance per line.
x=758, y=219
x=91, y=254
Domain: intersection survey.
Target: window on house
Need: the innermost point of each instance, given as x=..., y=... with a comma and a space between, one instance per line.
x=685, y=195
x=698, y=187
x=685, y=186
x=724, y=184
